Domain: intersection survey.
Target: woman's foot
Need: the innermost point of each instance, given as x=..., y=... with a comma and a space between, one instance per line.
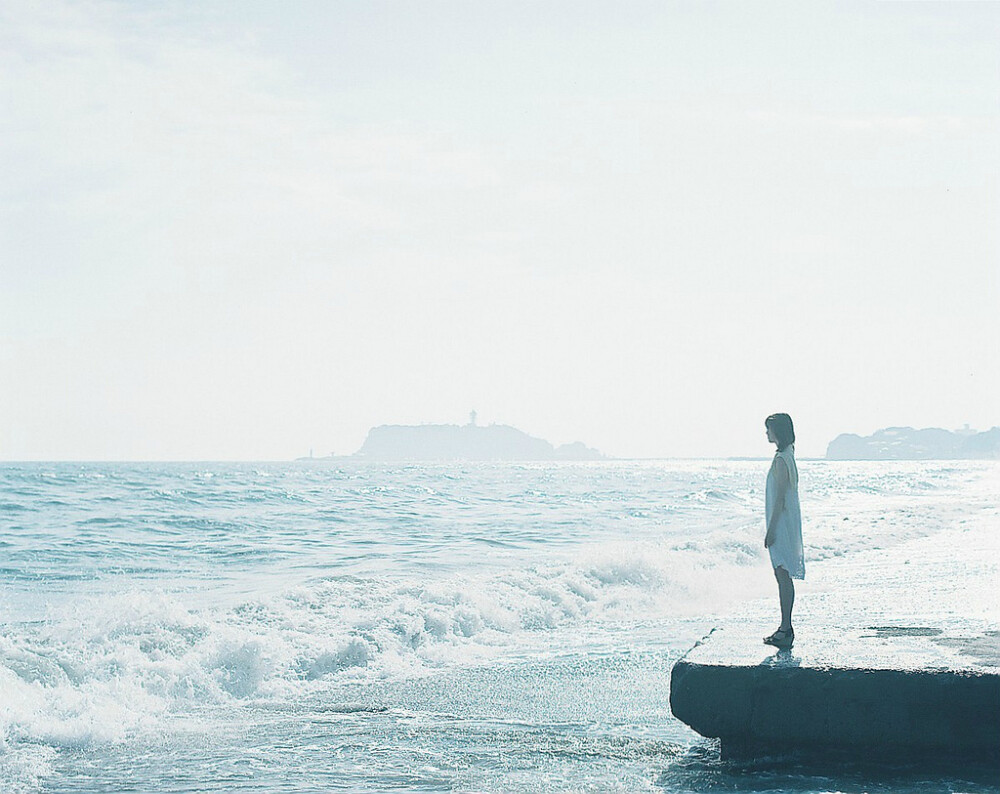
x=782, y=638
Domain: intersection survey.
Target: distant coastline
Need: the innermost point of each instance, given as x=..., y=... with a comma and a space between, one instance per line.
x=906, y=443
x=472, y=442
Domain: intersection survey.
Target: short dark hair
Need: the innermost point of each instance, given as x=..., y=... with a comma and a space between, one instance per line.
x=781, y=426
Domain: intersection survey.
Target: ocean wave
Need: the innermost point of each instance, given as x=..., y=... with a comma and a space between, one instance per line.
x=105, y=668
x=406, y=579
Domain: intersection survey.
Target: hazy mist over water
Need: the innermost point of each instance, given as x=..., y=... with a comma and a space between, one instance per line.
x=251, y=231
x=234, y=231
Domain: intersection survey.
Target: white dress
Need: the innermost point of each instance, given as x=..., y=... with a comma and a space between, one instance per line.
x=786, y=551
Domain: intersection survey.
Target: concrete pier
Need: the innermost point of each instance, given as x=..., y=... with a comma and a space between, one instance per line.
x=880, y=693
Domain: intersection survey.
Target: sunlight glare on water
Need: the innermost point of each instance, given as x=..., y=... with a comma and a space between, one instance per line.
x=491, y=627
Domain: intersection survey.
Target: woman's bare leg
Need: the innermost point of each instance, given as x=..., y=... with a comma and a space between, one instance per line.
x=786, y=596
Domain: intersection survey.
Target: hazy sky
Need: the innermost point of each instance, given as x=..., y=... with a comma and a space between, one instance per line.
x=243, y=229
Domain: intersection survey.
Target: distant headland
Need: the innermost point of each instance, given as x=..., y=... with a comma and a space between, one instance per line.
x=465, y=442
x=905, y=443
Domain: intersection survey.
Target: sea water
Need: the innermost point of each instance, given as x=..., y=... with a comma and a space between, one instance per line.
x=318, y=626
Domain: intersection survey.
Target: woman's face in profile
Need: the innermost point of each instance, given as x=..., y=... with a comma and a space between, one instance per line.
x=770, y=434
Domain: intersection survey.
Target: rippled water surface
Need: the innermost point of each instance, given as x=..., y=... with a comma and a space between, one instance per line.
x=489, y=627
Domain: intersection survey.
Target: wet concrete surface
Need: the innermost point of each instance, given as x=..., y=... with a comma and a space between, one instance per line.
x=896, y=654
x=905, y=648
x=873, y=694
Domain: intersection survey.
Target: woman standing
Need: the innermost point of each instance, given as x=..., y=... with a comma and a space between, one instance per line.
x=784, y=523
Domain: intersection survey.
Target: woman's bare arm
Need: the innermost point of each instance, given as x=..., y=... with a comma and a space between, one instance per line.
x=781, y=483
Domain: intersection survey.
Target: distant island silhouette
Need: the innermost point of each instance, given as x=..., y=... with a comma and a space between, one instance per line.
x=465, y=442
x=906, y=443
x=432, y=442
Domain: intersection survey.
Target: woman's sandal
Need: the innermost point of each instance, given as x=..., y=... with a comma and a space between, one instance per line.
x=781, y=638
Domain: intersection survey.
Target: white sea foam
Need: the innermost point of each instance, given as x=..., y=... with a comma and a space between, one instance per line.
x=107, y=668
